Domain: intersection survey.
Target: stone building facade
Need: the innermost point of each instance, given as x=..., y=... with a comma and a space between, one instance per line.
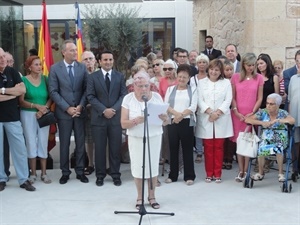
x=259, y=26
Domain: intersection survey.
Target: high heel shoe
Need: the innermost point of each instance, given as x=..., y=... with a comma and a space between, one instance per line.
x=154, y=204
x=138, y=205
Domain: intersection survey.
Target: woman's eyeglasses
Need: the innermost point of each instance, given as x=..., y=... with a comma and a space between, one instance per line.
x=170, y=69
x=89, y=58
x=270, y=103
x=156, y=64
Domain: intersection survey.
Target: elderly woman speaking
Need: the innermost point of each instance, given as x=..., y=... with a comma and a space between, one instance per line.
x=132, y=119
x=274, y=137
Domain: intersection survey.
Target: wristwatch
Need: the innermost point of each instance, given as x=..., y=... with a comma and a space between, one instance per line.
x=3, y=90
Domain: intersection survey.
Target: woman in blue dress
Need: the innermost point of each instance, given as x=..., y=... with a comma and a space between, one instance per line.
x=274, y=136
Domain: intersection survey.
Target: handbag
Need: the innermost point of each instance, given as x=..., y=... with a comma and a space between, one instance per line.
x=247, y=143
x=47, y=119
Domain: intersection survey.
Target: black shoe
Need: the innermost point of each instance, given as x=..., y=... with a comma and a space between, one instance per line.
x=2, y=185
x=27, y=186
x=117, y=181
x=64, y=179
x=89, y=170
x=82, y=178
x=99, y=182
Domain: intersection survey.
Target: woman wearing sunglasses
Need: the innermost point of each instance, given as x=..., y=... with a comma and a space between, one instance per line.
x=168, y=79
x=158, y=71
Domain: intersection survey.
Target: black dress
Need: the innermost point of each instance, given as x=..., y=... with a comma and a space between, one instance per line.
x=268, y=89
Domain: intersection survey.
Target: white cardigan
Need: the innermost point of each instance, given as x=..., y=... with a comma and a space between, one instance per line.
x=214, y=95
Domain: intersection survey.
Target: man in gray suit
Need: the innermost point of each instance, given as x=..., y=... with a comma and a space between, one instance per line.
x=105, y=91
x=288, y=73
x=67, y=87
x=231, y=54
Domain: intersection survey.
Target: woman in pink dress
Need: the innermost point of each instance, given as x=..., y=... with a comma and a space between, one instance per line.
x=247, y=93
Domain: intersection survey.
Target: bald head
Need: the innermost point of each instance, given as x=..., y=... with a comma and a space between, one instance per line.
x=88, y=59
x=3, y=61
x=10, y=59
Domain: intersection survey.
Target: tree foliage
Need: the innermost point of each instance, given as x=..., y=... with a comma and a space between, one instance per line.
x=117, y=28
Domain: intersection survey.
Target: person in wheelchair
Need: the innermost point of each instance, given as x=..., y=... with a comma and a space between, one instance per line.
x=274, y=134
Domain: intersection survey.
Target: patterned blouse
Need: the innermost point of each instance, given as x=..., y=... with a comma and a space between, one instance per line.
x=274, y=139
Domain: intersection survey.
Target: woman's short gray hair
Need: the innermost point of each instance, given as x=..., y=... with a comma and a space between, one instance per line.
x=202, y=57
x=141, y=75
x=276, y=97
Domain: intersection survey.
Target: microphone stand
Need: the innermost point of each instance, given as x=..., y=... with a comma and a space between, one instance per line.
x=142, y=211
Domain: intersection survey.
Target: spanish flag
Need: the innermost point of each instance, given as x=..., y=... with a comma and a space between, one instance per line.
x=79, y=41
x=45, y=51
x=45, y=54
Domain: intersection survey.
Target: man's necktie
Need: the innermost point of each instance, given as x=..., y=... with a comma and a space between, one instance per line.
x=107, y=81
x=71, y=75
x=209, y=52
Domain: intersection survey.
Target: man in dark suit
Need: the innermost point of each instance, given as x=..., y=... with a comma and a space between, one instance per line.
x=231, y=54
x=209, y=49
x=288, y=73
x=105, y=91
x=67, y=87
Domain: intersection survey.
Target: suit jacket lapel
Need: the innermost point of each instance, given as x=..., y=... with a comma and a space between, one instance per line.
x=76, y=74
x=112, y=80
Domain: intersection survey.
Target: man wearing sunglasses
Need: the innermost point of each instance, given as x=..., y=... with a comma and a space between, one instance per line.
x=12, y=87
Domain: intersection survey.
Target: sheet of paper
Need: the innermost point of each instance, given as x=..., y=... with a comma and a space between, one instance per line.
x=154, y=110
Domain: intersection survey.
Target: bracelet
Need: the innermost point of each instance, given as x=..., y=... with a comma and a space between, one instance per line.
x=234, y=108
x=3, y=90
x=31, y=105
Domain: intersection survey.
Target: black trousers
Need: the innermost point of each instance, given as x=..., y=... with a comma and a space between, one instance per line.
x=181, y=132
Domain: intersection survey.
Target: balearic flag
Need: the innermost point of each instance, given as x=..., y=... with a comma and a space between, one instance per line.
x=45, y=51
x=79, y=41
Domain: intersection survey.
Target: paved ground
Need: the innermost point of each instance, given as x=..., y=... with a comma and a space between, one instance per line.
x=76, y=203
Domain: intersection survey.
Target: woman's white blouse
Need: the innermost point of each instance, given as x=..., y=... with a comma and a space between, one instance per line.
x=136, y=108
x=214, y=95
x=182, y=100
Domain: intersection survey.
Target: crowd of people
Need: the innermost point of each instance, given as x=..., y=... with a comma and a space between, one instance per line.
x=211, y=97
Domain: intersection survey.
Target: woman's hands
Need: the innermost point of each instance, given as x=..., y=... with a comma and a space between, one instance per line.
x=163, y=117
x=138, y=120
x=42, y=109
x=178, y=117
x=267, y=124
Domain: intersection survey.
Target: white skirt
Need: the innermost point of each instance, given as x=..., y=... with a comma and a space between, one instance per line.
x=135, y=145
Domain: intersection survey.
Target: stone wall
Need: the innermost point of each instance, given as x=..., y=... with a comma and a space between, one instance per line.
x=271, y=27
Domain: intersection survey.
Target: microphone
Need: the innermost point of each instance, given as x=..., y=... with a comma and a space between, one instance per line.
x=145, y=99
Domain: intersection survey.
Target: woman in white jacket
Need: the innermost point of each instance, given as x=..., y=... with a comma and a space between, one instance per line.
x=214, y=122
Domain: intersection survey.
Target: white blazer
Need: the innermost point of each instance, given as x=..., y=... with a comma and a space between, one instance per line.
x=214, y=95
